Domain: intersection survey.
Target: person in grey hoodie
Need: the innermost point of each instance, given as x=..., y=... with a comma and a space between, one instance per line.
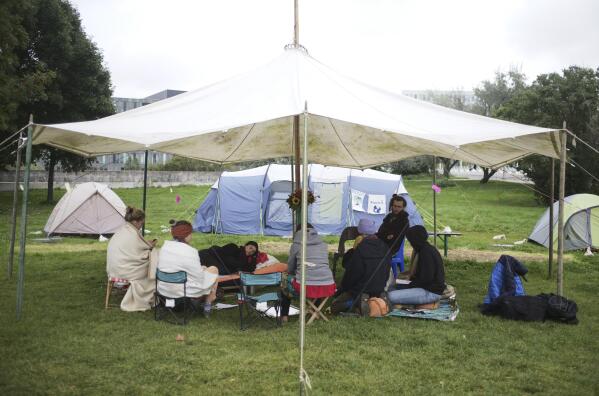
x=319, y=278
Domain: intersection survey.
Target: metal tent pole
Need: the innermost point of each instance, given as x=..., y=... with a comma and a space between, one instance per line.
x=551, y=200
x=15, y=201
x=435, y=201
x=143, y=227
x=560, y=229
x=302, y=373
x=21, y=277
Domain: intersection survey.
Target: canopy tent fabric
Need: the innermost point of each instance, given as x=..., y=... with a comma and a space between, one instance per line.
x=581, y=223
x=90, y=208
x=351, y=124
x=253, y=201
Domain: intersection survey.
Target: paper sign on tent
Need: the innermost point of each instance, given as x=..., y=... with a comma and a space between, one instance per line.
x=357, y=200
x=377, y=204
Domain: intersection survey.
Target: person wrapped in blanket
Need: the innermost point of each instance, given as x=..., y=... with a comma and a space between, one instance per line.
x=232, y=258
x=130, y=256
x=319, y=278
x=427, y=275
x=178, y=255
x=367, y=269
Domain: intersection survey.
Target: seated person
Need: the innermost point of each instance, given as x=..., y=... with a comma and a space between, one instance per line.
x=231, y=258
x=129, y=256
x=178, y=255
x=395, y=224
x=319, y=278
x=367, y=271
x=428, y=277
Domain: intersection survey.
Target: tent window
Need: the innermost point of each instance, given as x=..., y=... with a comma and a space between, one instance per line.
x=328, y=206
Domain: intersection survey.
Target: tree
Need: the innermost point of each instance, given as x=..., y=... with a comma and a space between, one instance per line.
x=491, y=95
x=572, y=96
x=61, y=70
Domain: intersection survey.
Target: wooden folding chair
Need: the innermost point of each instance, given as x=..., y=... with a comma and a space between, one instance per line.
x=314, y=310
x=115, y=284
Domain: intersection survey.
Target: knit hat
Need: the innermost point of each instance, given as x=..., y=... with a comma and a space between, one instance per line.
x=181, y=229
x=366, y=227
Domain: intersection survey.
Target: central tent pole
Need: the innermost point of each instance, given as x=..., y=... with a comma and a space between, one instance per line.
x=21, y=276
x=143, y=227
x=560, y=229
x=551, y=200
x=296, y=139
x=15, y=203
x=435, y=201
x=302, y=373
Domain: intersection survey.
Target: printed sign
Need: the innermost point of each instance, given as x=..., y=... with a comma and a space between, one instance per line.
x=377, y=204
x=357, y=200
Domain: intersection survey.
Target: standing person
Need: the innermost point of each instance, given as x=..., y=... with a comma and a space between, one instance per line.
x=319, y=278
x=428, y=280
x=129, y=256
x=178, y=255
x=393, y=229
x=366, y=272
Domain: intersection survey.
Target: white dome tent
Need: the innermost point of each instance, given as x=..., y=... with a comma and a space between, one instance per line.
x=89, y=209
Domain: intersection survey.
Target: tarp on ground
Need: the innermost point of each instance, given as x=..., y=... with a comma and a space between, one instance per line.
x=350, y=124
x=254, y=201
x=581, y=223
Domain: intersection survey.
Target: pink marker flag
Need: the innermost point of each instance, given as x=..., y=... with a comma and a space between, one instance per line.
x=436, y=188
x=178, y=199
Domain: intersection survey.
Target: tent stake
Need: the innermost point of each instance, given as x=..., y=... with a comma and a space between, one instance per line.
x=560, y=229
x=143, y=227
x=435, y=201
x=15, y=201
x=21, y=278
x=551, y=200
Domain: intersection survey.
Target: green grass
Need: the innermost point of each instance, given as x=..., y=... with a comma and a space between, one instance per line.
x=66, y=343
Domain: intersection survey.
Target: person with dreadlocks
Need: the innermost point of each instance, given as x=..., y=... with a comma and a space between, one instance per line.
x=178, y=255
x=393, y=229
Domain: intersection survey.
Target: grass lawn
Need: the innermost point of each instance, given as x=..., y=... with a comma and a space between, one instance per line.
x=66, y=343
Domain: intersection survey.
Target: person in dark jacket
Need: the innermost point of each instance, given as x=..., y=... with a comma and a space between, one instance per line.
x=395, y=224
x=428, y=280
x=231, y=258
x=368, y=268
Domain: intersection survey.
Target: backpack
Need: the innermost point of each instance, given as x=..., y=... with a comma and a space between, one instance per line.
x=560, y=308
x=526, y=308
x=377, y=307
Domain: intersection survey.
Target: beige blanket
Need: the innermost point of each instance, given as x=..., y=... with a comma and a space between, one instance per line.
x=131, y=257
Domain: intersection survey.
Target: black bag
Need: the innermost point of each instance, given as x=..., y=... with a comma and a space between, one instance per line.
x=526, y=308
x=560, y=308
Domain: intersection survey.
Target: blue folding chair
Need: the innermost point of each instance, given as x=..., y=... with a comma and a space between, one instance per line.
x=172, y=304
x=398, y=260
x=270, y=311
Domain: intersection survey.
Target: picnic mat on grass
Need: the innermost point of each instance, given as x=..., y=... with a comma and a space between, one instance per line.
x=447, y=311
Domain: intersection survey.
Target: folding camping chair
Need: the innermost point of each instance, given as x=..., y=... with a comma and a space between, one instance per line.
x=348, y=234
x=115, y=285
x=171, y=304
x=266, y=305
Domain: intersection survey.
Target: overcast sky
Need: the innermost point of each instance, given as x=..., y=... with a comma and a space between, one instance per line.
x=151, y=45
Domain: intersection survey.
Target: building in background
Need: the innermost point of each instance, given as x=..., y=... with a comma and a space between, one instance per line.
x=134, y=159
x=429, y=95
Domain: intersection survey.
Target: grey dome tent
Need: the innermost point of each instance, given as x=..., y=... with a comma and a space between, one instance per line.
x=581, y=223
x=90, y=208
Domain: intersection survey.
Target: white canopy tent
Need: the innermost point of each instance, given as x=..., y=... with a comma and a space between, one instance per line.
x=352, y=124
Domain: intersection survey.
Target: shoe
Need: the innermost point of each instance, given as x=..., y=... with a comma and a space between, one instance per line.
x=206, y=314
x=385, y=298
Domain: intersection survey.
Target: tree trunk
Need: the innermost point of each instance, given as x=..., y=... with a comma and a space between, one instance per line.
x=487, y=174
x=447, y=165
x=51, y=166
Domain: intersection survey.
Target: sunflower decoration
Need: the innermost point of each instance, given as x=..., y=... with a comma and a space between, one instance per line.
x=295, y=199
